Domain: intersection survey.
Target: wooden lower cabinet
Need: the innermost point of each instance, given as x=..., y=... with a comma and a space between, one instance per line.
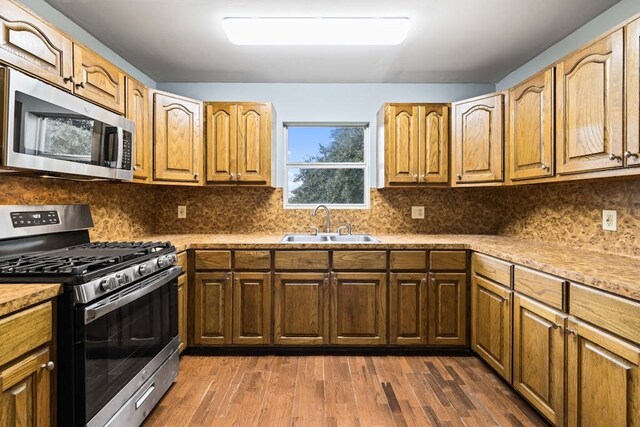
x=538, y=356
x=408, y=309
x=447, y=308
x=212, y=309
x=491, y=324
x=603, y=378
x=26, y=395
x=251, y=308
x=301, y=308
x=358, y=308
x=182, y=312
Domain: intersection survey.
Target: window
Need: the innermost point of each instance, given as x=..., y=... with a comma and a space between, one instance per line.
x=326, y=163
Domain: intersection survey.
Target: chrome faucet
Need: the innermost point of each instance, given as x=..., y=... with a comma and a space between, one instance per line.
x=327, y=217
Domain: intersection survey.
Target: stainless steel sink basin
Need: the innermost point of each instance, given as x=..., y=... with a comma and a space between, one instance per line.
x=329, y=238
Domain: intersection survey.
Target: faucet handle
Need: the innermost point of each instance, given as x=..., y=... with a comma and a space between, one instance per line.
x=347, y=227
x=315, y=230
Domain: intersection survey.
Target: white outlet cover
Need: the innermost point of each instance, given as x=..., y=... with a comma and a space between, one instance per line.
x=417, y=212
x=182, y=212
x=609, y=220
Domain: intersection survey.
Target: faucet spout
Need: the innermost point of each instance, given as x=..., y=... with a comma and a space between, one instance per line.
x=327, y=217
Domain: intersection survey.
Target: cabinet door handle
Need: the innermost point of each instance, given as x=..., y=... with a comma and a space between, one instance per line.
x=196, y=175
x=613, y=157
x=569, y=331
x=231, y=177
x=49, y=366
x=544, y=167
x=459, y=177
x=238, y=176
x=80, y=85
x=628, y=154
x=69, y=79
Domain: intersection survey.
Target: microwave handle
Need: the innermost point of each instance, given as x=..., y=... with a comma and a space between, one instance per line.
x=92, y=313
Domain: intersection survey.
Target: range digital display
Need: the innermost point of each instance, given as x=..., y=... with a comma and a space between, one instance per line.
x=34, y=219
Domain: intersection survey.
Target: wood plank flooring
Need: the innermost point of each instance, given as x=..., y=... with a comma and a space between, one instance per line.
x=339, y=391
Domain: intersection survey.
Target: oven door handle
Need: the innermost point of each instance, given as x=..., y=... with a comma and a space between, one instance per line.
x=98, y=310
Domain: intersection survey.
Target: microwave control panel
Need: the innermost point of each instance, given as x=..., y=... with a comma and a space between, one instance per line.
x=34, y=219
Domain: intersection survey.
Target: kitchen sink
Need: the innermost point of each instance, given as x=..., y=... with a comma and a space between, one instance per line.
x=329, y=238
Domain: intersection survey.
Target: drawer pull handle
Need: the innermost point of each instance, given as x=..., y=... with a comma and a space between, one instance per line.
x=629, y=154
x=49, y=366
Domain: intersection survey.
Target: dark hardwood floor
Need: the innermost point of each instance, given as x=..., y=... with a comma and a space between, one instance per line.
x=339, y=391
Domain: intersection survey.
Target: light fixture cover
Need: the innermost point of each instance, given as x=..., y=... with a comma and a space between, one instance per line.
x=316, y=31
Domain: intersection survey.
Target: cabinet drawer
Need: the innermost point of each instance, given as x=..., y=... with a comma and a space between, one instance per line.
x=213, y=260
x=302, y=260
x=543, y=287
x=408, y=260
x=492, y=268
x=360, y=260
x=448, y=260
x=182, y=261
x=615, y=314
x=252, y=260
x=24, y=331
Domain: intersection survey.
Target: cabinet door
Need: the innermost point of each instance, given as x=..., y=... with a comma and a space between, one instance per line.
x=177, y=139
x=301, y=308
x=98, y=80
x=212, y=309
x=603, y=380
x=30, y=44
x=589, y=107
x=478, y=140
x=538, y=356
x=252, y=308
x=408, y=309
x=401, y=143
x=182, y=311
x=25, y=399
x=491, y=324
x=138, y=111
x=221, y=123
x=433, y=144
x=531, y=138
x=358, y=308
x=632, y=151
x=254, y=143
x=448, y=308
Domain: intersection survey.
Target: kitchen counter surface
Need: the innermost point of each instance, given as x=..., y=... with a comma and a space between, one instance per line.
x=16, y=296
x=609, y=272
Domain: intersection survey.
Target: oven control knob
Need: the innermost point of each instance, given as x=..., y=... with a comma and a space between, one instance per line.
x=122, y=279
x=164, y=261
x=109, y=284
x=142, y=269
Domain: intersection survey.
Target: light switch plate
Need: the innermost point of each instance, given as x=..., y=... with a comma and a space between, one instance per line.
x=182, y=212
x=609, y=220
x=417, y=212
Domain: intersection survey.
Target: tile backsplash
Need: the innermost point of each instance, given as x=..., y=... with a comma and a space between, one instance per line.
x=568, y=213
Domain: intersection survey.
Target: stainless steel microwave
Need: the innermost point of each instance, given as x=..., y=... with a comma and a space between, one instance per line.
x=51, y=131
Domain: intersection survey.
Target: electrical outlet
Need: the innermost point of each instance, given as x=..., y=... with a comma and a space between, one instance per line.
x=609, y=220
x=182, y=212
x=417, y=212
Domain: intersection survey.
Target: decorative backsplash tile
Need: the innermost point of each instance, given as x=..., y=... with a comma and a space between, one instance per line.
x=567, y=213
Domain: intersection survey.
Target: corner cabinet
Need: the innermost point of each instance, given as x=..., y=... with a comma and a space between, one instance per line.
x=478, y=140
x=590, y=107
x=632, y=150
x=416, y=143
x=239, y=138
x=177, y=139
x=531, y=136
x=138, y=111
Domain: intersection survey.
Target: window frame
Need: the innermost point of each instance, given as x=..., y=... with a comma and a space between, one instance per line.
x=364, y=165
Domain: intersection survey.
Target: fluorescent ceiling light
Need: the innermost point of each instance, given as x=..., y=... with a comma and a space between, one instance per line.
x=316, y=31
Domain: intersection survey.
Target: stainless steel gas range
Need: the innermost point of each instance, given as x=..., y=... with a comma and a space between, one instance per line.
x=117, y=318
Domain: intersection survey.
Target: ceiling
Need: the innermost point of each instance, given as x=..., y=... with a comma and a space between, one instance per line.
x=458, y=41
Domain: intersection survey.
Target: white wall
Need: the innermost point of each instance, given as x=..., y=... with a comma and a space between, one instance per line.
x=297, y=102
x=592, y=29
x=52, y=16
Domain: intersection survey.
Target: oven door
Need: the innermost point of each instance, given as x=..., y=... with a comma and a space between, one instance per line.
x=124, y=338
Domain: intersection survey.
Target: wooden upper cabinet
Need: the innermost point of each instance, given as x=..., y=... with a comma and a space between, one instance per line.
x=98, y=80
x=632, y=150
x=531, y=139
x=589, y=107
x=401, y=143
x=177, y=139
x=478, y=140
x=416, y=143
x=30, y=44
x=603, y=378
x=239, y=138
x=138, y=112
